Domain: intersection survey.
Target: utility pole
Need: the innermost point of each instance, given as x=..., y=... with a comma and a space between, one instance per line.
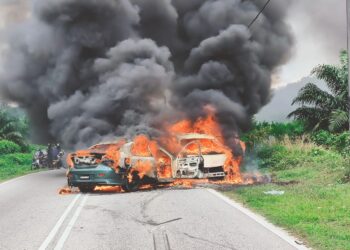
x=348, y=46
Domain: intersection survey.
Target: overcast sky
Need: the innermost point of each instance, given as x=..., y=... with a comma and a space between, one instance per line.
x=320, y=33
x=319, y=28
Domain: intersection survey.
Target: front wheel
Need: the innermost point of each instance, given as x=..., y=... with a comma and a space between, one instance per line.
x=133, y=182
x=34, y=166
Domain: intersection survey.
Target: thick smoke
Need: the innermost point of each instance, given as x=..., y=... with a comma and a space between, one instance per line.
x=88, y=70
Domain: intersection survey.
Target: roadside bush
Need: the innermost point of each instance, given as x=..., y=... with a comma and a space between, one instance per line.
x=15, y=160
x=342, y=143
x=346, y=178
x=265, y=131
x=282, y=157
x=12, y=165
x=323, y=138
x=270, y=156
x=9, y=147
x=338, y=142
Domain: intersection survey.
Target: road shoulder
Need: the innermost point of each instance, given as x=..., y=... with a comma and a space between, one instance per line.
x=259, y=219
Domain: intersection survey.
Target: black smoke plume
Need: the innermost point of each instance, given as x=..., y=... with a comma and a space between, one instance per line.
x=91, y=70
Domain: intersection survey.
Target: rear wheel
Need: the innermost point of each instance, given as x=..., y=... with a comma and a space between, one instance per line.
x=87, y=188
x=133, y=182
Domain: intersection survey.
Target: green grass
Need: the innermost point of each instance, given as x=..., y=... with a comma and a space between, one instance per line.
x=317, y=207
x=14, y=165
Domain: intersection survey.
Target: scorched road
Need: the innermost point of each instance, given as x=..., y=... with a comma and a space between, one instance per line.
x=34, y=216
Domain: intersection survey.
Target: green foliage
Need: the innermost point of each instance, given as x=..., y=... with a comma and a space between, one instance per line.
x=342, y=142
x=8, y=147
x=12, y=128
x=12, y=165
x=16, y=159
x=322, y=137
x=346, y=178
x=328, y=110
x=263, y=131
x=270, y=156
x=267, y=133
x=339, y=142
x=280, y=157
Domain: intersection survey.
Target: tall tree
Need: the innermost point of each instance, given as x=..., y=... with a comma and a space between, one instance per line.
x=325, y=109
x=11, y=128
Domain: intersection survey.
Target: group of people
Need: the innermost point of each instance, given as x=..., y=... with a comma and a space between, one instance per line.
x=51, y=157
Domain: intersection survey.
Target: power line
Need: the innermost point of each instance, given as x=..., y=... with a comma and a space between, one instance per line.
x=257, y=16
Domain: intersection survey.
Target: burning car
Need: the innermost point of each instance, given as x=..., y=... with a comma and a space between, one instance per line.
x=130, y=164
x=194, y=160
x=89, y=168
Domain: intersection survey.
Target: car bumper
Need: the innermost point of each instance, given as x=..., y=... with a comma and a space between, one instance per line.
x=99, y=176
x=215, y=175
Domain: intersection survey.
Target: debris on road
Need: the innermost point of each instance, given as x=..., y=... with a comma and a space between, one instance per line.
x=274, y=192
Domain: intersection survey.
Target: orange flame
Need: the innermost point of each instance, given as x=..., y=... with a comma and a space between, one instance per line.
x=210, y=126
x=148, y=155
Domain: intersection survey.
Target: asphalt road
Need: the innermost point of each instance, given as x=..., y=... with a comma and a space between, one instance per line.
x=34, y=216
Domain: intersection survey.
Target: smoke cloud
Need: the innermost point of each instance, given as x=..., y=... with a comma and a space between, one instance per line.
x=87, y=70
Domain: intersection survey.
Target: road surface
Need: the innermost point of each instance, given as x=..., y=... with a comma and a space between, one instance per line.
x=34, y=216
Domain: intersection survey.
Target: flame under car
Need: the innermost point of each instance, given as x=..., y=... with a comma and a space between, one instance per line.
x=125, y=164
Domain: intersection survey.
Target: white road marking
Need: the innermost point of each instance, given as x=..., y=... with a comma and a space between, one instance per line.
x=70, y=225
x=259, y=219
x=58, y=224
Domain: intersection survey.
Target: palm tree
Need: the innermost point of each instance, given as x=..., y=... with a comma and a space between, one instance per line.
x=10, y=128
x=321, y=109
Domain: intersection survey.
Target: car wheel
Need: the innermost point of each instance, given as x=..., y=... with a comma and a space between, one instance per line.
x=69, y=183
x=87, y=189
x=132, y=184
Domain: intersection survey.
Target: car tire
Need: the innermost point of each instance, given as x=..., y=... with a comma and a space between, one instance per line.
x=69, y=182
x=133, y=184
x=87, y=189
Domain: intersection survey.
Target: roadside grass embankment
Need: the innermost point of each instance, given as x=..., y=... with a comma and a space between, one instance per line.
x=14, y=165
x=15, y=160
x=316, y=206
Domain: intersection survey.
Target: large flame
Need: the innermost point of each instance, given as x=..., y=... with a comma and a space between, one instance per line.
x=154, y=156
x=210, y=126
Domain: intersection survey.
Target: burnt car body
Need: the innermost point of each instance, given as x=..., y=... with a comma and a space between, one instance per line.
x=199, y=164
x=89, y=168
x=91, y=156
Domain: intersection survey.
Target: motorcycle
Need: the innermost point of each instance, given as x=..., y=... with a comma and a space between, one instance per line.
x=57, y=163
x=39, y=160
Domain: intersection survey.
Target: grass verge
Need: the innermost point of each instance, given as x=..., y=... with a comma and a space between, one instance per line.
x=316, y=207
x=14, y=165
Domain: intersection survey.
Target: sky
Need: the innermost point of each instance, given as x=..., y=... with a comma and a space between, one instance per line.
x=319, y=28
